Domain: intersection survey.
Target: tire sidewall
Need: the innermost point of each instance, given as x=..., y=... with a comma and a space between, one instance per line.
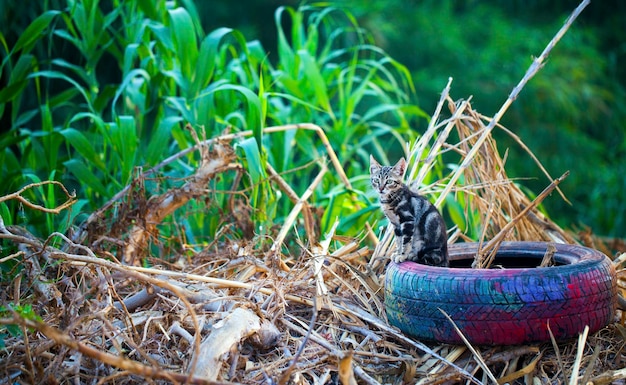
x=506, y=305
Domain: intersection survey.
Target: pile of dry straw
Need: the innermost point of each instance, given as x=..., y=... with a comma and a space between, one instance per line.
x=234, y=313
x=238, y=314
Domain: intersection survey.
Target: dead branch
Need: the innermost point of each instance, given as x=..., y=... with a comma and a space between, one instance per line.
x=536, y=65
x=70, y=198
x=296, y=210
x=224, y=338
x=309, y=221
x=609, y=377
x=214, y=161
x=116, y=361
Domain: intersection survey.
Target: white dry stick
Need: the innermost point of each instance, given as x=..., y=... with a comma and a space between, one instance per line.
x=582, y=340
x=291, y=218
x=225, y=336
x=422, y=143
x=479, y=359
x=319, y=257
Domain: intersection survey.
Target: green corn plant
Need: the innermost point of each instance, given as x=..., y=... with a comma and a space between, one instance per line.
x=117, y=85
x=329, y=72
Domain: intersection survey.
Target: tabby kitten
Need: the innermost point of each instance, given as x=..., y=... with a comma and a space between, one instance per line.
x=420, y=229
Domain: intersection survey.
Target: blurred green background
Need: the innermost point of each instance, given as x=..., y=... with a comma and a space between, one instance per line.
x=94, y=89
x=572, y=115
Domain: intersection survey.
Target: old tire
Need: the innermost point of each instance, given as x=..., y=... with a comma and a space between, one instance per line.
x=501, y=306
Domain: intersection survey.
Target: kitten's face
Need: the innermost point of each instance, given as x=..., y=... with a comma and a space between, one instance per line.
x=386, y=179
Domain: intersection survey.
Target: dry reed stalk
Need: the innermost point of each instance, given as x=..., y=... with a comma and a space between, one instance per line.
x=309, y=221
x=295, y=211
x=480, y=142
x=582, y=339
x=477, y=356
x=536, y=65
x=505, y=206
x=70, y=198
x=125, y=364
x=609, y=377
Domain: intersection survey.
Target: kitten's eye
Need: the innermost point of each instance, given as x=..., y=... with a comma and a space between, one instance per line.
x=392, y=183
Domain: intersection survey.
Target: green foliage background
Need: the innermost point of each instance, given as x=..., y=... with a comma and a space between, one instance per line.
x=92, y=90
x=572, y=114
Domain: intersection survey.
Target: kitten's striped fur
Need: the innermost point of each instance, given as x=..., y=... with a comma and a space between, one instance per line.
x=419, y=228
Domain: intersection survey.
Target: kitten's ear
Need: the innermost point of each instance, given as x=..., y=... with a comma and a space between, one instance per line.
x=374, y=165
x=400, y=167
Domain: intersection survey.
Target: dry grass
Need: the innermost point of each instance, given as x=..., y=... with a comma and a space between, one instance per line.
x=314, y=319
x=240, y=312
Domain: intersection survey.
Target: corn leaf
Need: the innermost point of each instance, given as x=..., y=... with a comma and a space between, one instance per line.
x=33, y=32
x=85, y=176
x=184, y=36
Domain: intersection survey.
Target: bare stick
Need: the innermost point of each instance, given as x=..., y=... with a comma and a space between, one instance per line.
x=287, y=372
x=477, y=355
x=309, y=221
x=524, y=147
x=420, y=145
x=609, y=377
x=532, y=71
x=55, y=210
x=496, y=240
x=296, y=210
x=548, y=260
x=116, y=361
x=582, y=339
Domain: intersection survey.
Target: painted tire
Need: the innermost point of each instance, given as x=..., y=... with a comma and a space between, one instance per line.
x=506, y=306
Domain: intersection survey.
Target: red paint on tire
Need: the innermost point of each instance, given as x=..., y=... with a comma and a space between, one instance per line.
x=503, y=306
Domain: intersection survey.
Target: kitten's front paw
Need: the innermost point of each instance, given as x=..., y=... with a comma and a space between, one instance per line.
x=398, y=258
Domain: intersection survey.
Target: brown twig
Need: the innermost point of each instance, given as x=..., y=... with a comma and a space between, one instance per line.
x=55, y=210
x=309, y=221
x=296, y=210
x=284, y=378
x=547, y=259
x=107, y=358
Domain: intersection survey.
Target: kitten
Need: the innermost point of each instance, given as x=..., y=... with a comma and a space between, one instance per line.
x=420, y=229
